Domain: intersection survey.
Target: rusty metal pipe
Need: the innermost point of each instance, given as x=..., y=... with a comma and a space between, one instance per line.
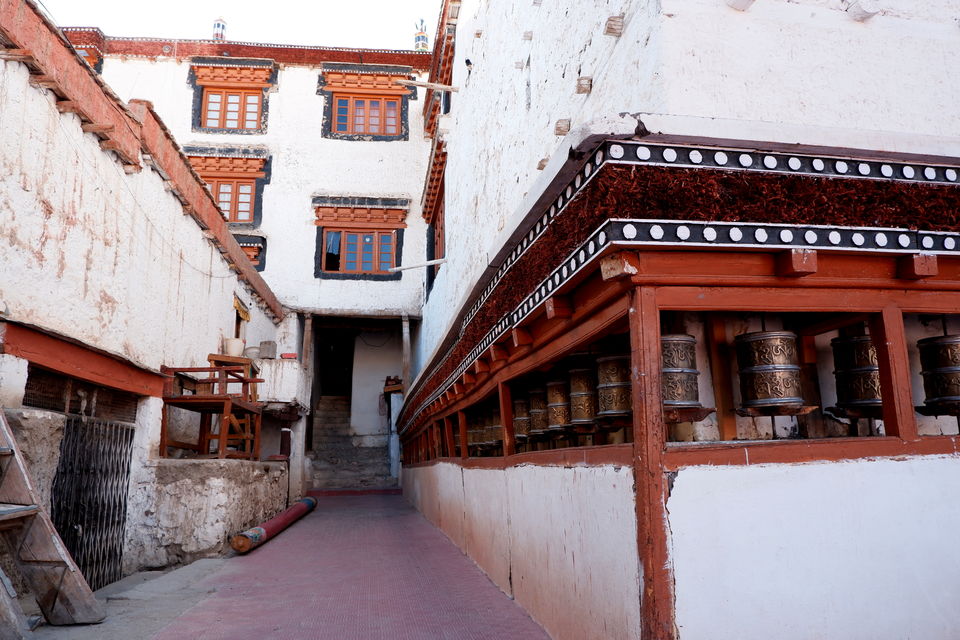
x=253, y=538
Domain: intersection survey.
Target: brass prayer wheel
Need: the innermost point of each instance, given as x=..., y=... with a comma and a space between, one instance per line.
x=521, y=417
x=538, y=410
x=558, y=405
x=769, y=369
x=940, y=362
x=613, y=388
x=582, y=396
x=856, y=372
x=678, y=355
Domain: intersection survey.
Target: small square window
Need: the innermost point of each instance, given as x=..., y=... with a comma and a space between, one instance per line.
x=347, y=251
x=363, y=115
x=231, y=109
x=235, y=198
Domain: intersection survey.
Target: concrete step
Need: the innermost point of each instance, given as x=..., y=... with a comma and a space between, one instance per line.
x=337, y=482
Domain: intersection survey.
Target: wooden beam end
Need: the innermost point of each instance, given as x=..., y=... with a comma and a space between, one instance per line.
x=797, y=263
x=917, y=266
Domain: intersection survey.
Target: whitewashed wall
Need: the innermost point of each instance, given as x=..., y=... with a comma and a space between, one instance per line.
x=305, y=164
x=376, y=355
x=792, y=71
x=100, y=256
x=854, y=550
x=561, y=541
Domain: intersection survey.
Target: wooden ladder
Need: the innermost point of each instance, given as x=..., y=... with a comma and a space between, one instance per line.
x=47, y=568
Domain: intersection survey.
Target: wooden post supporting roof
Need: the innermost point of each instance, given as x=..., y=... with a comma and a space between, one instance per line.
x=649, y=442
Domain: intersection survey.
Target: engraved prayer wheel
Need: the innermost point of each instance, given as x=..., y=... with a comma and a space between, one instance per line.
x=558, y=405
x=769, y=369
x=940, y=361
x=678, y=355
x=613, y=388
x=538, y=410
x=856, y=372
x=583, y=398
x=521, y=417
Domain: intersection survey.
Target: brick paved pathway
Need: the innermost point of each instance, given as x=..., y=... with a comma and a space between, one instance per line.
x=359, y=567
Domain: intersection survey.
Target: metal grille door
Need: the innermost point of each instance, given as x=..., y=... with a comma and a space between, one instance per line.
x=89, y=497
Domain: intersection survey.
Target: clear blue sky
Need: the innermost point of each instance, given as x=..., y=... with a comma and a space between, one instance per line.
x=384, y=24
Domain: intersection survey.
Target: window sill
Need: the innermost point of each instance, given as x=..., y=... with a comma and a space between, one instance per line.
x=325, y=275
x=239, y=132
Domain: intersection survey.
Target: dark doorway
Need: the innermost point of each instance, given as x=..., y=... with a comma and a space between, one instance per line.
x=335, y=361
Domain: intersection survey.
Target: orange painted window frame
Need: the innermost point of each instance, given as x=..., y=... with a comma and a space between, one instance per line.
x=248, y=112
x=383, y=239
x=228, y=192
x=356, y=116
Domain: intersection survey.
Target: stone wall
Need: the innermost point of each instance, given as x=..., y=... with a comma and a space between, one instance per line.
x=190, y=508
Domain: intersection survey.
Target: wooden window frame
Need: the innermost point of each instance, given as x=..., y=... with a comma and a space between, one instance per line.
x=232, y=210
x=376, y=258
x=244, y=116
x=364, y=127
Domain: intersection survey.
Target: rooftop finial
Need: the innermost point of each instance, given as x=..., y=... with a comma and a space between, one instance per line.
x=421, y=42
x=219, y=29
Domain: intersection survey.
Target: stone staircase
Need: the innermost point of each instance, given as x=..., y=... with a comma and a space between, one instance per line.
x=337, y=463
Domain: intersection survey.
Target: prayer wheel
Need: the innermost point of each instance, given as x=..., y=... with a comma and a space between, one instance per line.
x=558, y=405
x=678, y=354
x=538, y=410
x=856, y=372
x=940, y=362
x=521, y=417
x=613, y=388
x=769, y=369
x=583, y=398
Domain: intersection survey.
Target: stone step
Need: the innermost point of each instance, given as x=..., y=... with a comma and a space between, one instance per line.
x=325, y=481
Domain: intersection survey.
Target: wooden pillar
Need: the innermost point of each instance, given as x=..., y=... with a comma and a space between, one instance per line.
x=716, y=331
x=890, y=341
x=405, y=371
x=462, y=423
x=306, y=349
x=448, y=436
x=649, y=442
x=506, y=417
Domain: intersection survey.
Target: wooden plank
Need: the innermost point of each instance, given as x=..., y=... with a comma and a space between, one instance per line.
x=841, y=300
x=680, y=455
x=448, y=436
x=61, y=592
x=506, y=418
x=97, y=128
x=720, y=363
x=77, y=361
x=890, y=341
x=462, y=424
x=649, y=431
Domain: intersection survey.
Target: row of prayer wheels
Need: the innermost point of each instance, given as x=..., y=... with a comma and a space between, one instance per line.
x=769, y=371
x=486, y=428
x=579, y=398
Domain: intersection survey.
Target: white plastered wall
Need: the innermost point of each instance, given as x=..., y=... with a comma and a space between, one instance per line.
x=376, y=355
x=304, y=165
x=105, y=258
x=857, y=550
x=790, y=71
x=561, y=541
